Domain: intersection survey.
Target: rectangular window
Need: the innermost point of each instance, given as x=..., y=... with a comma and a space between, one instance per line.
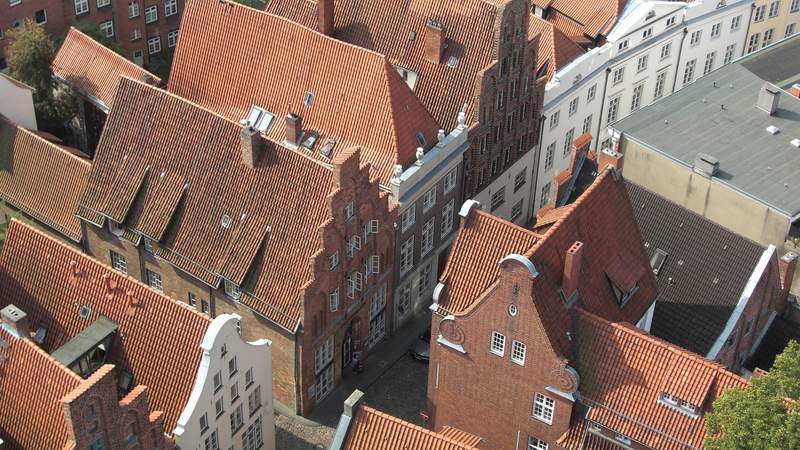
x=349, y=211
x=118, y=262
x=622, y=46
x=498, y=198
x=333, y=298
x=735, y=22
x=41, y=17
x=618, y=75
x=587, y=124
x=709, y=65
x=519, y=180
x=136, y=34
x=205, y=307
x=353, y=245
x=154, y=280
x=424, y=279
x=217, y=381
x=554, y=120
x=636, y=99
x=192, y=300
x=774, y=8
x=545, y=195
x=753, y=44
x=666, y=50
x=323, y=355
x=107, y=28
x=237, y=419
x=447, y=218
x=695, y=37
x=498, y=343
x=204, y=422
x=670, y=22
x=688, y=73
x=449, y=181
x=429, y=199
x=536, y=444
x=233, y=367
x=248, y=378
x=232, y=290
x=729, y=52
x=568, y=141
x=81, y=7
x=102, y=3
x=715, y=30
x=405, y=299
x=661, y=79
x=573, y=106
x=516, y=210
x=427, y=237
x=543, y=408
x=219, y=406
x=613, y=109
x=641, y=63
x=234, y=392
x=212, y=441
x=647, y=33
x=172, y=38
x=518, y=353
x=254, y=401
x=408, y=218
x=789, y=30
x=759, y=15
x=151, y=14
x=133, y=10
x=407, y=256
x=591, y=93
x=768, y=37
x=170, y=7
x=794, y=6
x=333, y=260
x=548, y=156
x=252, y=439
x=355, y=282
x=154, y=45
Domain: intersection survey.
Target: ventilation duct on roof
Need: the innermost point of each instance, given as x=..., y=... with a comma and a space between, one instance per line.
x=772, y=129
x=768, y=98
x=795, y=142
x=706, y=165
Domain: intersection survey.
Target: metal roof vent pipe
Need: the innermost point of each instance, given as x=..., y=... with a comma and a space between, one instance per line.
x=768, y=98
x=706, y=165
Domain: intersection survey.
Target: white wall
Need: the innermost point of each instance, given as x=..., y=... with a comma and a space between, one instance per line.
x=520, y=198
x=16, y=103
x=249, y=356
x=596, y=68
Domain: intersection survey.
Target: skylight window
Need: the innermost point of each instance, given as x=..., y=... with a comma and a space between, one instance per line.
x=657, y=261
x=310, y=139
x=421, y=140
x=673, y=401
x=452, y=62
x=260, y=119
x=308, y=99
x=327, y=147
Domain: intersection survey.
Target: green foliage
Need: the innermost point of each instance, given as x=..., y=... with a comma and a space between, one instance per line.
x=160, y=65
x=765, y=415
x=30, y=53
x=92, y=30
x=5, y=221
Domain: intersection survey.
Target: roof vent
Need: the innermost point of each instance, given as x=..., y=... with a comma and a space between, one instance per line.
x=706, y=165
x=226, y=221
x=772, y=129
x=768, y=98
x=452, y=62
x=795, y=142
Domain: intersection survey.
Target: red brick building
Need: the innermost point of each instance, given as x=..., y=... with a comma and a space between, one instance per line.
x=48, y=13
x=218, y=216
x=531, y=336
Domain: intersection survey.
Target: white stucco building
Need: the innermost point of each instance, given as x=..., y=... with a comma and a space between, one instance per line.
x=655, y=48
x=17, y=102
x=230, y=406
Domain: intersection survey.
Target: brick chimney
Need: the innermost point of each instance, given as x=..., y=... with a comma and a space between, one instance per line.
x=16, y=321
x=251, y=145
x=609, y=157
x=434, y=41
x=325, y=10
x=795, y=90
x=572, y=269
x=786, y=268
x=294, y=128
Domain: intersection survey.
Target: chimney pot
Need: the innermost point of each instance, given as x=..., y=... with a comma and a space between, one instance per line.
x=294, y=128
x=609, y=157
x=572, y=269
x=251, y=146
x=325, y=11
x=795, y=90
x=768, y=98
x=16, y=321
x=434, y=41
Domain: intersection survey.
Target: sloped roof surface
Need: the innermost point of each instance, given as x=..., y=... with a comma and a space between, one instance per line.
x=185, y=164
x=41, y=179
x=597, y=16
x=555, y=48
x=358, y=97
x=375, y=430
x=709, y=267
x=93, y=68
x=160, y=337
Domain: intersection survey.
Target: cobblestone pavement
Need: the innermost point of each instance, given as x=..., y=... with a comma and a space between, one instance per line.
x=400, y=391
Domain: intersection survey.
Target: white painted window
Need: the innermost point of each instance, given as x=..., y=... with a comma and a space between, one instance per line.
x=170, y=7
x=378, y=301
x=424, y=279
x=688, y=73
x=636, y=98
x=217, y=381
x=573, y=106
x=715, y=30
x=333, y=300
x=237, y=418
x=408, y=218
x=119, y=262
x=447, y=218
x=661, y=79
x=497, y=344
x=151, y=14
x=154, y=45
x=353, y=245
x=355, y=282
x=427, y=237
x=81, y=7
x=695, y=37
x=349, y=211
x=219, y=406
x=753, y=44
x=102, y=3
x=212, y=441
x=516, y=210
x=587, y=124
x=498, y=198
x=154, y=280
x=233, y=367
x=647, y=33
x=429, y=199
x=235, y=391
x=736, y=22
x=204, y=422
x=622, y=46
x=568, y=138
x=794, y=6
x=405, y=299
x=450, y=181
x=548, y=156
x=768, y=37
x=729, y=52
x=323, y=355
x=519, y=180
x=709, y=65
x=641, y=63
x=407, y=256
x=670, y=21
x=666, y=50
x=133, y=10
x=618, y=75
x=789, y=30
x=248, y=377
x=136, y=34
x=545, y=195
x=333, y=260
x=232, y=290
x=40, y=16
x=254, y=400
x=518, y=353
x=759, y=14
x=591, y=93
x=252, y=438
x=205, y=307
x=172, y=38
x=192, y=300
x=543, y=408
x=536, y=444
x=774, y=8
x=554, y=119
x=613, y=109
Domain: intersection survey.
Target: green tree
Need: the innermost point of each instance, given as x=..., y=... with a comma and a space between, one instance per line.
x=92, y=30
x=764, y=415
x=30, y=53
x=5, y=221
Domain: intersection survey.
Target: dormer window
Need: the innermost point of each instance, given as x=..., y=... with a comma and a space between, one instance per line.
x=409, y=76
x=310, y=139
x=115, y=228
x=647, y=33
x=670, y=21
x=622, y=46
x=232, y=290
x=683, y=406
x=620, y=294
x=260, y=119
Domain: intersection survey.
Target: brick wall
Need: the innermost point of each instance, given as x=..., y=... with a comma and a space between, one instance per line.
x=54, y=9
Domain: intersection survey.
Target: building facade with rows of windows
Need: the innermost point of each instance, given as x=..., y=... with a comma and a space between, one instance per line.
x=654, y=49
x=771, y=21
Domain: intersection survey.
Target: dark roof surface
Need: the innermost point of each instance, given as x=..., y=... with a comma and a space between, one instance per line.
x=717, y=115
x=709, y=267
x=778, y=64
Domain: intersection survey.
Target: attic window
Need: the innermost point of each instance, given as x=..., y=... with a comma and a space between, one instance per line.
x=327, y=147
x=683, y=406
x=409, y=76
x=232, y=290
x=657, y=261
x=308, y=99
x=260, y=119
x=421, y=140
x=85, y=311
x=542, y=70
x=226, y=221
x=452, y=62
x=620, y=295
x=310, y=139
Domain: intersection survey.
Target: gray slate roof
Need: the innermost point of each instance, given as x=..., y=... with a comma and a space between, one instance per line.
x=709, y=267
x=762, y=165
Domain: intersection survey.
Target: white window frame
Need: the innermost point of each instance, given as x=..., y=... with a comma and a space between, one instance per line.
x=549, y=155
x=730, y=51
x=716, y=30
x=427, y=237
x=688, y=71
x=613, y=107
x=636, y=97
x=519, y=180
x=497, y=343
x=133, y=10
x=670, y=22
x=695, y=38
x=708, y=66
x=449, y=181
x=516, y=210
x=170, y=7
x=232, y=290
x=568, y=138
x=154, y=280
x=647, y=33
x=107, y=28
x=447, y=218
x=408, y=217
x=136, y=34
x=333, y=300
x=661, y=80
x=536, y=444
x=573, y=106
x=736, y=22
x=618, y=76
x=774, y=9
x=794, y=6
x=45, y=16
x=429, y=199
x=590, y=94
x=641, y=63
x=666, y=50
x=407, y=256
x=554, y=118
x=518, y=350
x=151, y=14
x=544, y=408
x=119, y=262
x=81, y=7
x=587, y=124
x=172, y=38
x=759, y=14
x=154, y=45
x=498, y=198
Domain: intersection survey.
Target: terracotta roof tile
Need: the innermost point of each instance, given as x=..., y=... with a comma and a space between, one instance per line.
x=358, y=97
x=374, y=430
x=159, y=339
x=461, y=436
x=32, y=384
x=387, y=28
x=596, y=16
x=555, y=48
x=277, y=206
x=41, y=179
x=94, y=69
x=623, y=373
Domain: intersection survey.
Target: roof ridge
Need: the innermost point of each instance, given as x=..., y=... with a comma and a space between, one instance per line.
x=579, y=201
x=412, y=426
x=107, y=50
x=38, y=350
x=35, y=136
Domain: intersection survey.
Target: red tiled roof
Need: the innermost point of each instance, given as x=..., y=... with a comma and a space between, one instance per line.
x=41, y=179
x=555, y=48
x=387, y=28
x=32, y=383
x=623, y=373
x=461, y=436
x=374, y=430
x=358, y=97
x=601, y=218
x=159, y=338
x=596, y=16
x=184, y=162
x=94, y=69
